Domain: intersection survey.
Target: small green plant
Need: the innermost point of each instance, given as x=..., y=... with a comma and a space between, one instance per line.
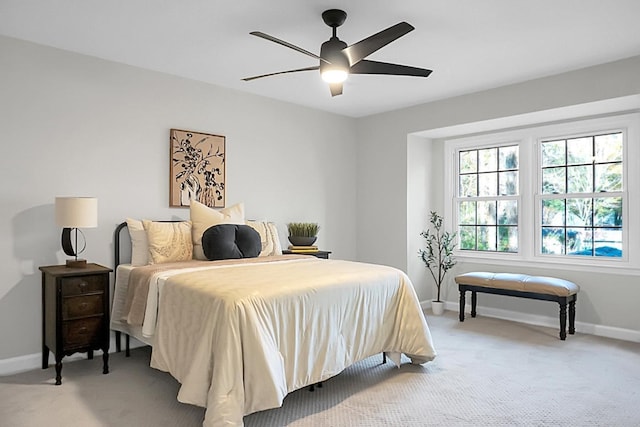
x=438, y=255
x=303, y=229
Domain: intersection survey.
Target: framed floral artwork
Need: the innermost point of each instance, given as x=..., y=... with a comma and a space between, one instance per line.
x=197, y=169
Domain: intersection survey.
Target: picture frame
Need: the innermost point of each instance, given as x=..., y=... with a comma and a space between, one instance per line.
x=197, y=168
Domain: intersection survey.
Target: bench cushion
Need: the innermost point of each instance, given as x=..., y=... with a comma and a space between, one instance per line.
x=519, y=282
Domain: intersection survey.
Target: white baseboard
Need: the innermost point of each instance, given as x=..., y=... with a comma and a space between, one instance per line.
x=532, y=319
x=30, y=362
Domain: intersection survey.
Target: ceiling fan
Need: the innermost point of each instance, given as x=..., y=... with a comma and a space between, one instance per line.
x=337, y=60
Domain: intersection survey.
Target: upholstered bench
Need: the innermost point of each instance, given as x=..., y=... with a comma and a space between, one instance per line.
x=520, y=285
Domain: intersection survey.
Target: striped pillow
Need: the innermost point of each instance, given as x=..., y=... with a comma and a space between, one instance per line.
x=268, y=236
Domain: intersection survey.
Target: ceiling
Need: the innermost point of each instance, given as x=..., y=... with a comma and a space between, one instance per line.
x=471, y=45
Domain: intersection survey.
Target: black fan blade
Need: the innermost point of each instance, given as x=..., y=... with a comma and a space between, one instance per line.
x=375, y=67
x=246, y=79
x=287, y=44
x=360, y=50
x=336, y=89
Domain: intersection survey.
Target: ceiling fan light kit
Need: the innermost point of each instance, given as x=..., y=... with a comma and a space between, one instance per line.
x=335, y=76
x=337, y=60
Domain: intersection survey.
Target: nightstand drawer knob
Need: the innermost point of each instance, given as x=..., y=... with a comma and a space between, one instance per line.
x=83, y=306
x=82, y=286
x=83, y=330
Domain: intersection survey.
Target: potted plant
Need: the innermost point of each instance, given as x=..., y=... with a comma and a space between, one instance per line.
x=438, y=255
x=303, y=233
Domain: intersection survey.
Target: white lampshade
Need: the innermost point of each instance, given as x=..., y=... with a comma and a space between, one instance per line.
x=77, y=212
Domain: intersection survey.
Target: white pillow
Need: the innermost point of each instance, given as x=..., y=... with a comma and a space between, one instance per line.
x=168, y=241
x=203, y=217
x=139, y=243
x=269, y=237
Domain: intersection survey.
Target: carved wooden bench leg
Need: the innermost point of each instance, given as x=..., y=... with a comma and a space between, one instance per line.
x=563, y=320
x=474, y=301
x=572, y=316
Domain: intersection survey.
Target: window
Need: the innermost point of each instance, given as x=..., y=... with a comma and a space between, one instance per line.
x=553, y=193
x=487, y=199
x=581, y=195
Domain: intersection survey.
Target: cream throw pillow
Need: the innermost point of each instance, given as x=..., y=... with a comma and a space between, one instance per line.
x=168, y=241
x=203, y=217
x=139, y=243
x=269, y=237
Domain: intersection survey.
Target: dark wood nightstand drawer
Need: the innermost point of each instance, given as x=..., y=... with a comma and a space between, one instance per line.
x=82, y=285
x=82, y=306
x=82, y=332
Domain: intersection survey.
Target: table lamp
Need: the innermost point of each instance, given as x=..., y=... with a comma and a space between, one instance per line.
x=73, y=213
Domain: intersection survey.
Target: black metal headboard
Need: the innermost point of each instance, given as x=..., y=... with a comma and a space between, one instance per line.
x=116, y=244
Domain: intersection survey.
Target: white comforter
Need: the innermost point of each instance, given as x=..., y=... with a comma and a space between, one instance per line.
x=239, y=338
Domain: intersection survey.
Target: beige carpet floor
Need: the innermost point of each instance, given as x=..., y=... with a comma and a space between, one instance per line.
x=488, y=372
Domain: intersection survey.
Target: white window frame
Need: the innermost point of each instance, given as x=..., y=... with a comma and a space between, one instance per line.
x=518, y=197
x=530, y=176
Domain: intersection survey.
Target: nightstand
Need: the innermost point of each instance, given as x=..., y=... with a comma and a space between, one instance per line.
x=75, y=313
x=317, y=254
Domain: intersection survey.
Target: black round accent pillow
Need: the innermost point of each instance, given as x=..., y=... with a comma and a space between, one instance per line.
x=228, y=241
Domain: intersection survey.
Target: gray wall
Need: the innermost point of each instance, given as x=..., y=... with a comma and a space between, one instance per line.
x=393, y=199
x=76, y=125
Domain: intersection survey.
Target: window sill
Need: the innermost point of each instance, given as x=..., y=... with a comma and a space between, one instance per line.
x=619, y=266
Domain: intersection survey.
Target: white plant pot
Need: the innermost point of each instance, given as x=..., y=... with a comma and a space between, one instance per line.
x=437, y=307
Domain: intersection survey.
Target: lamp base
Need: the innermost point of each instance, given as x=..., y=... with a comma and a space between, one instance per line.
x=77, y=263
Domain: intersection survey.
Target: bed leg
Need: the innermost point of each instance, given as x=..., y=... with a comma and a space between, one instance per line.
x=312, y=387
x=384, y=357
x=118, y=346
x=105, y=361
x=127, y=351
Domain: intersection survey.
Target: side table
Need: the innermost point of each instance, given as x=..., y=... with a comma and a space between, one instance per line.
x=75, y=313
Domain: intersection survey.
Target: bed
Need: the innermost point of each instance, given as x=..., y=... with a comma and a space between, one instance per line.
x=241, y=334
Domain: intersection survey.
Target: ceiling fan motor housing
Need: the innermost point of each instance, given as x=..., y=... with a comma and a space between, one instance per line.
x=331, y=50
